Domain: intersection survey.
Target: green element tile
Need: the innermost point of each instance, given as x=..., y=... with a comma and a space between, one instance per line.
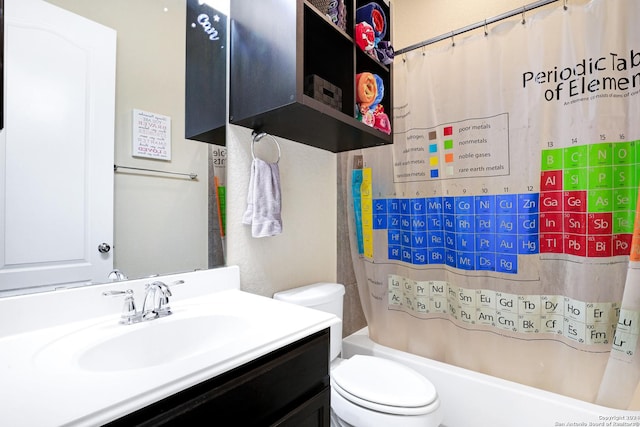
x=624, y=199
x=636, y=145
x=600, y=177
x=600, y=201
x=624, y=153
x=625, y=176
x=576, y=157
x=601, y=154
x=551, y=159
x=623, y=222
x=575, y=179
x=448, y=144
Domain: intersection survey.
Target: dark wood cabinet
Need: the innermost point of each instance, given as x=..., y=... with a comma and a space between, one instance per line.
x=205, y=74
x=288, y=387
x=277, y=47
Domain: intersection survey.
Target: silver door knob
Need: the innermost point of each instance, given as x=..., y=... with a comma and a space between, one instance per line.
x=103, y=248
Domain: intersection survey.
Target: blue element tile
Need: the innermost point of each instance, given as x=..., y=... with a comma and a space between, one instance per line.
x=449, y=223
x=434, y=173
x=435, y=239
x=393, y=238
x=450, y=240
x=435, y=222
x=465, y=260
x=528, y=203
x=393, y=221
x=485, y=223
x=507, y=263
x=485, y=242
x=434, y=205
x=418, y=206
x=405, y=206
x=380, y=206
x=405, y=239
x=486, y=261
x=405, y=222
x=528, y=244
x=465, y=223
x=449, y=205
x=436, y=255
x=419, y=240
x=393, y=206
x=450, y=258
x=419, y=256
x=485, y=204
x=506, y=224
x=394, y=252
x=465, y=242
x=507, y=243
x=528, y=224
x=406, y=255
x=418, y=223
x=464, y=205
x=380, y=222
x=507, y=204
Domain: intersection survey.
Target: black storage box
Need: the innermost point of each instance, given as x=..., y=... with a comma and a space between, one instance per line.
x=325, y=92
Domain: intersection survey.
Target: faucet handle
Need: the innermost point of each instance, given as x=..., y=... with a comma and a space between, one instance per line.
x=163, y=308
x=129, y=313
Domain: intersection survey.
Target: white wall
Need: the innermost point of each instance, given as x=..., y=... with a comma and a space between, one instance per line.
x=306, y=250
x=418, y=20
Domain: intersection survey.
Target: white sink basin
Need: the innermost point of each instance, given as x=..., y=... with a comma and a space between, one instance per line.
x=110, y=346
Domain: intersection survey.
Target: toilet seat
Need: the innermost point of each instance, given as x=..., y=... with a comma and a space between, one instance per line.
x=384, y=386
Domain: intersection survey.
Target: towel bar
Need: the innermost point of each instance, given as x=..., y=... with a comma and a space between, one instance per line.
x=190, y=175
x=258, y=137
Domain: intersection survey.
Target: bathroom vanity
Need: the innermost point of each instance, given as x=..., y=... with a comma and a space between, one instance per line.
x=224, y=355
x=287, y=387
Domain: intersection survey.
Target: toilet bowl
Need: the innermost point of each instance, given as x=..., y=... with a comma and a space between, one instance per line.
x=368, y=391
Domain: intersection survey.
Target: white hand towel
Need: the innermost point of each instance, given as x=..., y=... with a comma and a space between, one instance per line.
x=263, y=200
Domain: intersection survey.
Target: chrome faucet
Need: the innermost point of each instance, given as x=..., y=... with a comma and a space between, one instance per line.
x=156, y=303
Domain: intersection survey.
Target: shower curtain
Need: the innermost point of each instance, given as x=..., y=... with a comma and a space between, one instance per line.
x=497, y=232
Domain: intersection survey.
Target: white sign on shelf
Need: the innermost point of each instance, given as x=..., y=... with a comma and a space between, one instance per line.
x=151, y=135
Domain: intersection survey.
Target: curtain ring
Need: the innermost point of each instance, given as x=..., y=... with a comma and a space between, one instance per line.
x=258, y=137
x=565, y=5
x=524, y=9
x=453, y=42
x=486, y=30
x=423, y=50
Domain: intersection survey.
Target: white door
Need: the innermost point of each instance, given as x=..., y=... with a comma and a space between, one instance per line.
x=56, y=148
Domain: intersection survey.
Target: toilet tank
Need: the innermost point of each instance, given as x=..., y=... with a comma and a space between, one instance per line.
x=326, y=297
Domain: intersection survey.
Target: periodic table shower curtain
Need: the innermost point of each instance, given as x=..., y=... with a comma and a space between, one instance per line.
x=496, y=233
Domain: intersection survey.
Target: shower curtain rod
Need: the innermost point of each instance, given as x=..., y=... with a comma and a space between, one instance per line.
x=480, y=24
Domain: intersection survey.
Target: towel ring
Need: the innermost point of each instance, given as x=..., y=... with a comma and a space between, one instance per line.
x=258, y=137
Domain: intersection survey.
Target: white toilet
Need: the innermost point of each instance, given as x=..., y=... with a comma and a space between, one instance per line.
x=368, y=391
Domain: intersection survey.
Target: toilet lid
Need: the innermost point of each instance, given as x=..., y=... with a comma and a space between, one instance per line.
x=375, y=383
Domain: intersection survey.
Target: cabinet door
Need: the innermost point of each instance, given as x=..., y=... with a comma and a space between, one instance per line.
x=288, y=386
x=315, y=412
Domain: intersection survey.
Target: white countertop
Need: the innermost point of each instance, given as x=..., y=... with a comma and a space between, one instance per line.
x=39, y=390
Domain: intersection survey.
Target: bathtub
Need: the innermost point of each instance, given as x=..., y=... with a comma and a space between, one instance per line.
x=471, y=399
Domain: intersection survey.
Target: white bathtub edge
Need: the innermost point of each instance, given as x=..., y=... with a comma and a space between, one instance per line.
x=473, y=399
